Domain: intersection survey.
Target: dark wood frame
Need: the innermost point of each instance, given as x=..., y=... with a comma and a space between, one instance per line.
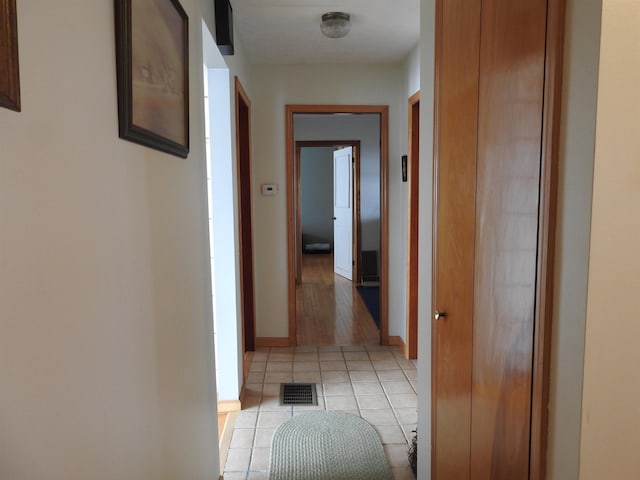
x=245, y=222
x=551, y=117
x=413, y=177
x=383, y=111
x=403, y=164
x=127, y=129
x=9, y=85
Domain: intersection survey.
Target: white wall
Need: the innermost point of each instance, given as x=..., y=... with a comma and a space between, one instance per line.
x=425, y=222
x=412, y=71
x=572, y=237
x=412, y=86
x=365, y=128
x=106, y=359
x=223, y=217
x=315, y=84
x=316, y=179
x=610, y=408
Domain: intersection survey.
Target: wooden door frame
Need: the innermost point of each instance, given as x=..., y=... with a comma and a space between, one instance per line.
x=547, y=219
x=383, y=112
x=245, y=237
x=413, y=169
x=355, y=145
x=552, y=104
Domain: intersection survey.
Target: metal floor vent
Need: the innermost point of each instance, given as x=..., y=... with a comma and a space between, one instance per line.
x=298, y=394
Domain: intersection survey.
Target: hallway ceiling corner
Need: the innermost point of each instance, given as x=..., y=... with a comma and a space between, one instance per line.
x=287, y=32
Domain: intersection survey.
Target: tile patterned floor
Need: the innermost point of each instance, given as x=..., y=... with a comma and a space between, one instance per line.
x=374, y=382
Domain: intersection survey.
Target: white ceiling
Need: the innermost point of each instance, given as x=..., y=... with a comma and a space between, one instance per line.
x=288, y=31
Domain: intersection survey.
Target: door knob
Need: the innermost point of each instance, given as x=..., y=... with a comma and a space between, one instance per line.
x=439, y=315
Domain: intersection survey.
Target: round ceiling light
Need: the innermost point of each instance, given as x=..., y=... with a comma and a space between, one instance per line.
x=335, y=24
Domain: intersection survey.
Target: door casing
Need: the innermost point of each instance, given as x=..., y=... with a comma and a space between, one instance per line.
x=383, y=111
x=413, y=174
x=243, y=154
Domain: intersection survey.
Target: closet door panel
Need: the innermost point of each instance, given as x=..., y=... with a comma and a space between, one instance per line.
x=457, y=93
x=512, y=56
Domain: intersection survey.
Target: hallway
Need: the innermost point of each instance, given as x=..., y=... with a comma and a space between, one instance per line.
x=329, y=309
x=372, y=381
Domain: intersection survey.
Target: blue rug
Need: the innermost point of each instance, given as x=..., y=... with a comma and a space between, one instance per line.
x=371, y=298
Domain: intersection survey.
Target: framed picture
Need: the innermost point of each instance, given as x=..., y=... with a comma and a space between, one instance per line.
x=9, y=82
x=152, y=59
x=404, y=168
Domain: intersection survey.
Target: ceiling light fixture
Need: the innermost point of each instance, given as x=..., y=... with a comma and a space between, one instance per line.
x=335, y=24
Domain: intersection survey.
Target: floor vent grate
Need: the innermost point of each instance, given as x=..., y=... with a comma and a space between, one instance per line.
x=298, y=394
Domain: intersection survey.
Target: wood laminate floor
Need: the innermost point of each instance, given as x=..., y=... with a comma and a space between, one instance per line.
x=329, y=309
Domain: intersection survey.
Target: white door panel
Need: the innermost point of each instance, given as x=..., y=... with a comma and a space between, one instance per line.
x=343, y=212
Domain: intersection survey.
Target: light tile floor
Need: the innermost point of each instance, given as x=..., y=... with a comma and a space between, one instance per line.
x=373, y=381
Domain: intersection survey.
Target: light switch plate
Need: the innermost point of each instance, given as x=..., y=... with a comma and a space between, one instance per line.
x=269, y=189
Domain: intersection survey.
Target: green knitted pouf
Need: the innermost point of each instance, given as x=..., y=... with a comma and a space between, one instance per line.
x=327, y=446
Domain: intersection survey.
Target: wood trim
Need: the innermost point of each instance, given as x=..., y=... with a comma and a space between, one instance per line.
x=9, y=64
x=307, y=108
x=357, y=230
x=546, y=237
x=226, y=406
x=411, y=347
x=224, y=440
x=355, y=145
x=248, y=358
x=263, y=342
x=298, y=190
x=384, y=225
x=291, y=227
x=437, y=53
x=396, y=341
x=383, y=111
x=245, y=223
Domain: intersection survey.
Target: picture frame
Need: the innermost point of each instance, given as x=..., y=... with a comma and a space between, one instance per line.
x=404, y=167
x=152, y=63
x=9, y=83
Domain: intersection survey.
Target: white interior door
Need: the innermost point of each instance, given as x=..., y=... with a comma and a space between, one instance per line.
x=343, y=212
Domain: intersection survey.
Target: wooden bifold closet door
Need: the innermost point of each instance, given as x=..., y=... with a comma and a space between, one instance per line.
x=490, y=92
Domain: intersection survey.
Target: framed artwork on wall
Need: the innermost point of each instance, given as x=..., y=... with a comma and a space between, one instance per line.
x=152, y=60
x=9, y=81
x=404, y=168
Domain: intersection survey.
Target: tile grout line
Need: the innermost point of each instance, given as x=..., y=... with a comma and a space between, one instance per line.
x=316, y=352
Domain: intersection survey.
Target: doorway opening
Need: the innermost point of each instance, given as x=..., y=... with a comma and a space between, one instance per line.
x=296, y=262
x=222, y=245
x=329, y=310
x=314, y=213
